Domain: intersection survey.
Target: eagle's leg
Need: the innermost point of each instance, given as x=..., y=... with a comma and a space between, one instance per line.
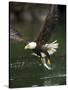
x=49, y=62
x=45, y=64
x=43, y=56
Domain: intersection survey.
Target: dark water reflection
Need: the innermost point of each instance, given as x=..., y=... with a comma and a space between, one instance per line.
x=33, y=74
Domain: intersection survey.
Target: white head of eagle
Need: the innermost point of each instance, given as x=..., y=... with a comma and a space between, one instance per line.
x=31, y=45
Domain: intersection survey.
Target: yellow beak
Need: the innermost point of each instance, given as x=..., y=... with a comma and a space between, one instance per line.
x=26, y=47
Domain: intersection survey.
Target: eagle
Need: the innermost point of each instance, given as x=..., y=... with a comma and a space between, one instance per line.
x=40, y=46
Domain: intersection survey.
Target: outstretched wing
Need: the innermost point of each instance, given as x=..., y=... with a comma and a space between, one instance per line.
x=16, y=36
x=48, y=26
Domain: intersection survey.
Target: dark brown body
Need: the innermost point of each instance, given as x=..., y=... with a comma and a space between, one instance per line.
x=38, y=51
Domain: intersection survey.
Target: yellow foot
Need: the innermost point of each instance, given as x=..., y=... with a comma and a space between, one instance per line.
x=49, y=62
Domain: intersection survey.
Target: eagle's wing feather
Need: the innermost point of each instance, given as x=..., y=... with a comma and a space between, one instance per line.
x=48, y=26
x=16, y=36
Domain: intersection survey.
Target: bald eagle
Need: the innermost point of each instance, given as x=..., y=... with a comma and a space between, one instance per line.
x=40, y=46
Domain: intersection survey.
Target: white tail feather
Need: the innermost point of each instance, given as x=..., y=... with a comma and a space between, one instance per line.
x=51, y=48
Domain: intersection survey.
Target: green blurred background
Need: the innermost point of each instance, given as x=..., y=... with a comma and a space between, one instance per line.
x=25, y=69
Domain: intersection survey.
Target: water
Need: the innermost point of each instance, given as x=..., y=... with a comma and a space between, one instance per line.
x=27, y=71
